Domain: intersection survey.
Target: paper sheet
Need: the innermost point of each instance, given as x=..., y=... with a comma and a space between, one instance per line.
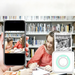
x=17, y=51
x=40, y=72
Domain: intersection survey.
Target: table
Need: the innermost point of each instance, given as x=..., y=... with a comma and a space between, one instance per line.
x=16, y=51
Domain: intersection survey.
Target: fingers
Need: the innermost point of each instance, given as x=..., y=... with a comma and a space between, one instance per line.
x=29, y=72
x=26, y=49
x=26, y=41
x=37, y=65
x=27, y=54
x=48, y=68
x=33, y=66
x=27, y=44
x=1, y=38
x=5, y=68
x=27, y=38
x=26, y=72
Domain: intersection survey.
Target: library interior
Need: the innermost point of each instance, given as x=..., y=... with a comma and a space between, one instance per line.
x=40, y=30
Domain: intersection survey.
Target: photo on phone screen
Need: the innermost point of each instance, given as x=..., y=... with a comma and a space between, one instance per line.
x=14, y=42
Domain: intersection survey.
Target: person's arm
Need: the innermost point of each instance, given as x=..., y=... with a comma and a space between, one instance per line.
x=16, y=68
x=48, y=68
x=36, y=58
x=5, y=45
x=16, y=45
x=3, y=67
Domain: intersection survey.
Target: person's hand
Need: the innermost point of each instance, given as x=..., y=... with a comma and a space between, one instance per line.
x=33, y=66
x=9, y=49
x=15, y=48
x=26, y=72
x=26, y=49
x=48, y=68
x=3, y=67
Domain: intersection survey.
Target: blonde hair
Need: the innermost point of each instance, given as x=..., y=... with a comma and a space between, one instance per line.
x=52, y=35
x=23, y=41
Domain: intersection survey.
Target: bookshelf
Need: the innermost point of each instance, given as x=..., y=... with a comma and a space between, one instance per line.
x=38, y=36
x=14, y=34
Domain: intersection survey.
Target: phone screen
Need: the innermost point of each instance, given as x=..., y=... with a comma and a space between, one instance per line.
x=14, y=42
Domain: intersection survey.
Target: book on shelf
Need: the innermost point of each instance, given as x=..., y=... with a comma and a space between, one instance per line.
x=58, y=27
x=31, y=40
x=34, y=41
x=14, y=17
x=36, y=29
x=58, y=18
x=32, y=52
x=33, y=27
x=48, y=28
x=10, y=17
x=54, y=28
x=29, y=27
x=13, y=39
x=67, y=28
x=48, y=17
x=69, y=17
x=63, y=28
x=41, y=27
x=44, y=27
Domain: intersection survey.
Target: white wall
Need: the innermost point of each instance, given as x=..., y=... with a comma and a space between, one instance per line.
x=37, y=7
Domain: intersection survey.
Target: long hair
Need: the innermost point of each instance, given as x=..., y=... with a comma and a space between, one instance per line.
x=9, y=39
x=23, y=41
x=52, y=35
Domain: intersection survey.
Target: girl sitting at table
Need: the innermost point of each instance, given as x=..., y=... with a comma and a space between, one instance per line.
x=8, y=44
x=21, y=43
x=43, y=55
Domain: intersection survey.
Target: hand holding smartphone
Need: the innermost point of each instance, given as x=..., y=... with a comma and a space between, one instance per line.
x=12, y=28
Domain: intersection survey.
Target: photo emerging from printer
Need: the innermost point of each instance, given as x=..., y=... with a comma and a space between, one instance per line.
x=63, y=42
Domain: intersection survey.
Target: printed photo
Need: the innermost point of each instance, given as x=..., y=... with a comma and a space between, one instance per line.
x=63, y=41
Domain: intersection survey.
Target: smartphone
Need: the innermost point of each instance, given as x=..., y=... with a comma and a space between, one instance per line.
x=14, y=30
